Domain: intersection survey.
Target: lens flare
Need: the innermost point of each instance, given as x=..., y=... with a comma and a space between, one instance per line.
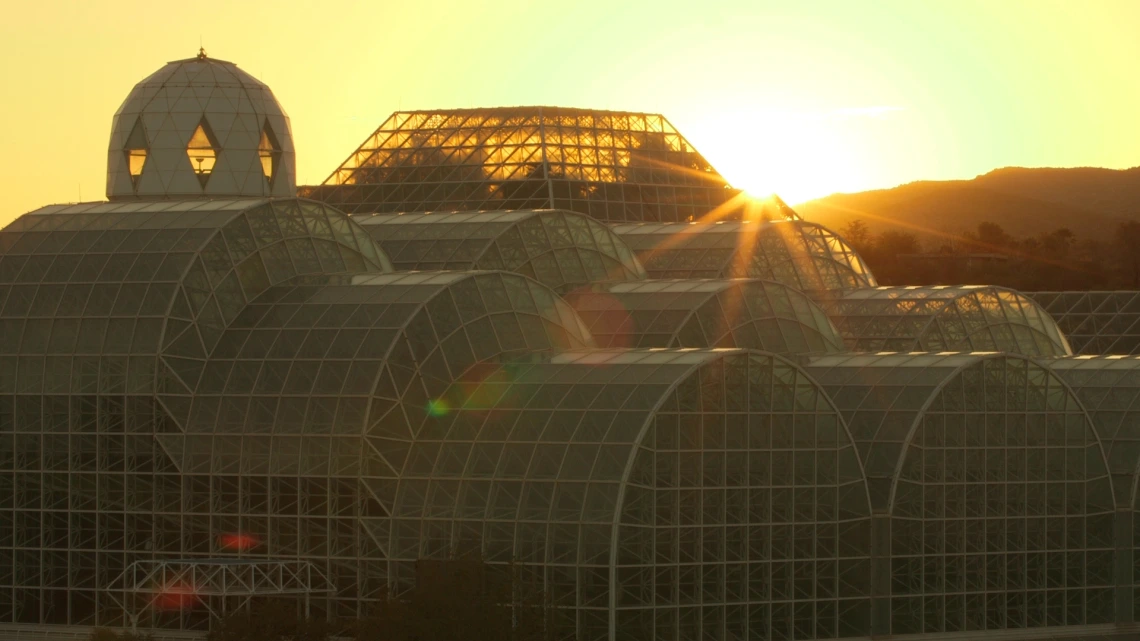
x=239, y=541
x=175, y=597
x=608, y=320
x=438, y=407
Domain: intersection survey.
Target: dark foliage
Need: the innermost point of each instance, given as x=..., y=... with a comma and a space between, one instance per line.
x=460, y=599
x=463, y=599
x=1057, y=260
x=270, y=621
x=1024, y=201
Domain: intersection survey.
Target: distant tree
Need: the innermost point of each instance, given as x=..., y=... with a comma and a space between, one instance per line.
x=1059, y=242
x=1055, y=260
x=885, y=255
x=893, y=243
x=858, y=235
x=990, y=237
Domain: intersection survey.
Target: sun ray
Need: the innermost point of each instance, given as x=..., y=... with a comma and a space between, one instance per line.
x=741, y=201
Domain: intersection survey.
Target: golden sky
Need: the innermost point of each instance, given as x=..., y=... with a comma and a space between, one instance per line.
x=798, y=98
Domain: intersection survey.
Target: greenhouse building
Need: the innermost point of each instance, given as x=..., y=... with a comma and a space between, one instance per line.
x=557, y=340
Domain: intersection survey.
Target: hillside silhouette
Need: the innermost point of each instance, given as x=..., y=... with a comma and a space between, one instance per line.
x=1025, y=202
x=1029, y=229
x=1115, y=192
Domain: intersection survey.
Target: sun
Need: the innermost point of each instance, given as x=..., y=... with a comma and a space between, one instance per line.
x=798, y=157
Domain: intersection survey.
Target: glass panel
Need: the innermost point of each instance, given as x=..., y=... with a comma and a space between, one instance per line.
x=202, y=150
x=269, y=151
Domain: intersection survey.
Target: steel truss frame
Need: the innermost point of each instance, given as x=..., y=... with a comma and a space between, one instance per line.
x=144, y=583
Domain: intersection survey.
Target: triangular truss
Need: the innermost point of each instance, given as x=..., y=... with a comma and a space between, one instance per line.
x=1096, y=322
x=206, y=582
x=610, y=165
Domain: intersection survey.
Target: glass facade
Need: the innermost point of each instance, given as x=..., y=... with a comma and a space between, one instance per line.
x=657, y=494
x=560, y=249
x=1096, y=322
x=608, y=165
x=106, y=307
x=655, y=422
x=1109, y=387
x=166, y=388
x=314, y=394
x=938, y=319
x=799, y=254
x=993, y=504
x=740, y=312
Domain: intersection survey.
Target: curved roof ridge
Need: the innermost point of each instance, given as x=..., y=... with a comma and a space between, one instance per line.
x=946, y=316
x=745, y=312
x=857, y=374
x=722, y=353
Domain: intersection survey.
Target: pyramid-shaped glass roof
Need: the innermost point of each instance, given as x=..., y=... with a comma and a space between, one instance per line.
x=614, y=166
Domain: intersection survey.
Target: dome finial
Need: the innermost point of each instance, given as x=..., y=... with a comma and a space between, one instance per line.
x=201, y=53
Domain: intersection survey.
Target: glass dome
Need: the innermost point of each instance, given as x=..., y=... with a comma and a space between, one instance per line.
x=197, y=128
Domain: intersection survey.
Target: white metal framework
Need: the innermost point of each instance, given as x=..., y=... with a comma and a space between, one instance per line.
x=206, y=402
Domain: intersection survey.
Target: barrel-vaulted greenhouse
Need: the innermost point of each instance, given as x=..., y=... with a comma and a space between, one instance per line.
x=578, y=353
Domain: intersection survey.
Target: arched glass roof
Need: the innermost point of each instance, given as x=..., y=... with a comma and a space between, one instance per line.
x=560, y=249
x=935, y=319
x=305, y=371
x=102, y=307
x=87, y=290
x=1096, y=322
x=697, y=471
x=884, y=397
x=797, y=253
x=749, y=313
x=994, y=480
x=1109, y=388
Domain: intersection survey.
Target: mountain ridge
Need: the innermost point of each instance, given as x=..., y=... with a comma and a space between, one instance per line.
x=1025, y=201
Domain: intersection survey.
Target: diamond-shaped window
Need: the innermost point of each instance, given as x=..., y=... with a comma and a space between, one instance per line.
x=135, y=150
x=203, y=151
x=270, y=152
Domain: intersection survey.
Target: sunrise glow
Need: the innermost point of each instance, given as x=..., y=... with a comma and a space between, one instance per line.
x=614, y=321
x=798, y=100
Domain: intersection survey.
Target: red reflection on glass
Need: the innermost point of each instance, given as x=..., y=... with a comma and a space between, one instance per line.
x=176, y=596
x=239, y=541
x=608, y=319
x=485, y=388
